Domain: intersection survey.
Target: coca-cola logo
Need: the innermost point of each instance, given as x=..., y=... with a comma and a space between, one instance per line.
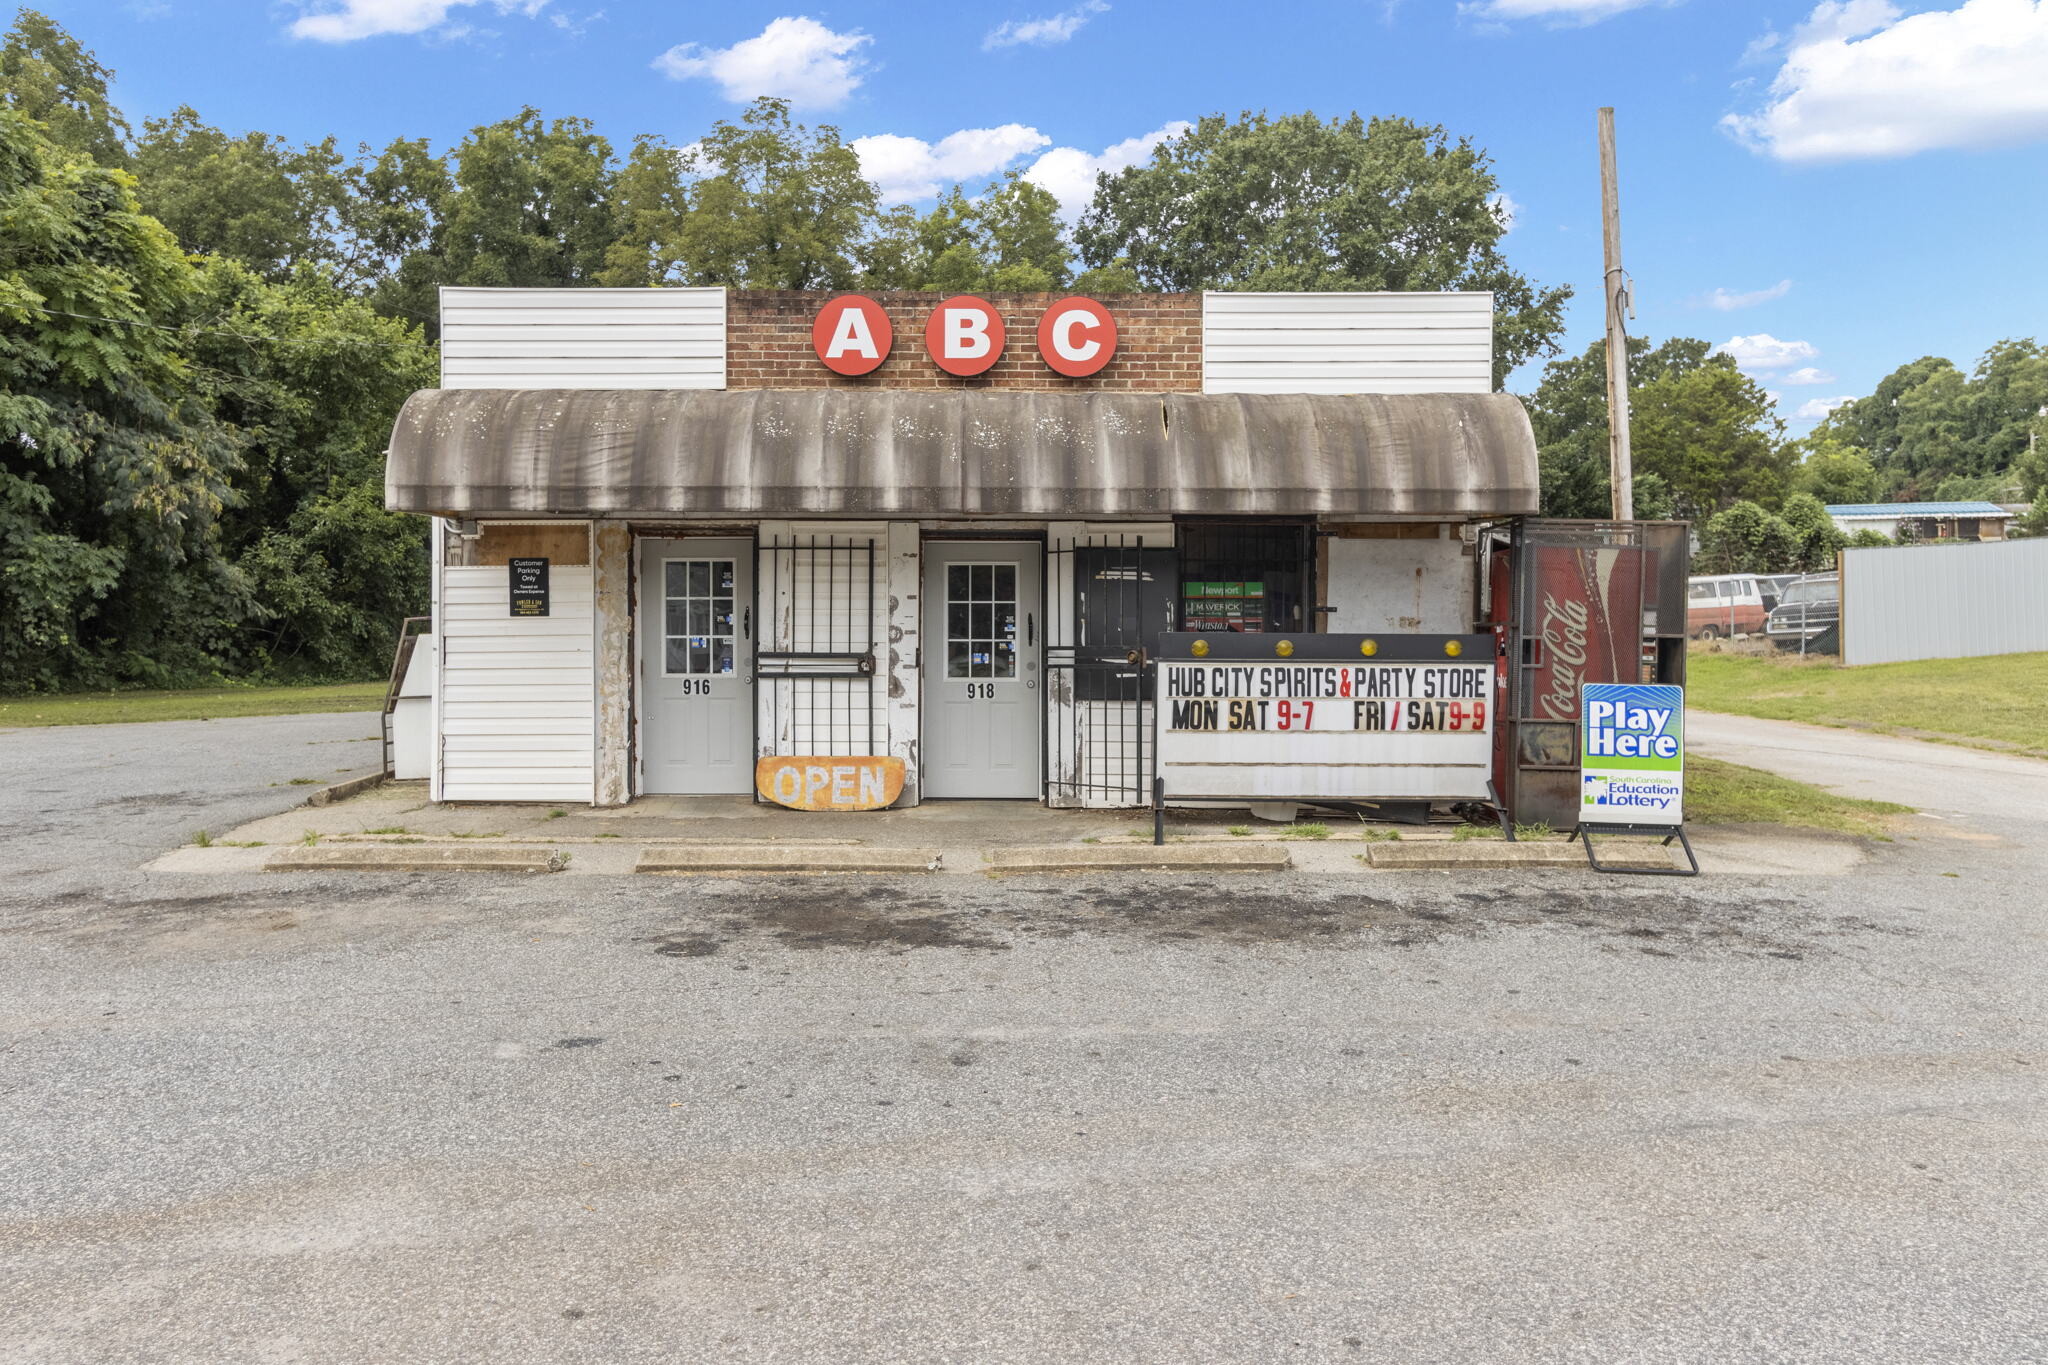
x=1564, y=640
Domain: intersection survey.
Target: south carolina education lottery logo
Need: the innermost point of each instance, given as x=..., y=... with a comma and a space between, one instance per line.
x=1631, y=754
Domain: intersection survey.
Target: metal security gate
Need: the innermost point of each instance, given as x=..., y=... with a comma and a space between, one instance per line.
x=817, y=657
x=1107, y=599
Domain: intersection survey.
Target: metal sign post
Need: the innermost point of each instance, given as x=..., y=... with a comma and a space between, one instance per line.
x=1632, y=769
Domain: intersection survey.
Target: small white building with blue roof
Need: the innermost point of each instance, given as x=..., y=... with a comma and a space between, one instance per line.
x=1923, y=521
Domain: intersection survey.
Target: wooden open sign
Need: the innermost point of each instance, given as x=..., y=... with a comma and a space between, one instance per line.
x=813, y=783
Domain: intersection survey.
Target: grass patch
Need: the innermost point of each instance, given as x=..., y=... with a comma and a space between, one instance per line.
x=303, y=782
x=310, y=838
x=1539, y=830
x=1995, y=702
x=1308, y=831
x=1464, y=834
x=499, y=834
x=388, y=829
x=1375, y=834
x=202, y=840
x=556, y=814
x=201, y=703
x=241, y=843
x=1718, y=793
x=1241, y=831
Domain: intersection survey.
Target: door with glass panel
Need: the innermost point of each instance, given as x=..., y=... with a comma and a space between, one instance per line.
x=984, y=704
x=696, y=666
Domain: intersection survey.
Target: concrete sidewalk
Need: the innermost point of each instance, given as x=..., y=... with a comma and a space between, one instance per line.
x=1946, y=779
x=394, y=827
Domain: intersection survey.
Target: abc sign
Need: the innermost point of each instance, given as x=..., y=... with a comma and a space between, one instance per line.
x=964, y=336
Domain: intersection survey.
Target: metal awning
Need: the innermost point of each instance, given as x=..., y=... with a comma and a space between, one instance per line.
x=908, y=453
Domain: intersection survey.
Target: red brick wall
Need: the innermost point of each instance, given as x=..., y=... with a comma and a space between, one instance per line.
x=768, y=344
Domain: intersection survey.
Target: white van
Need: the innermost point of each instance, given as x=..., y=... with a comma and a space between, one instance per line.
x=1723, y=605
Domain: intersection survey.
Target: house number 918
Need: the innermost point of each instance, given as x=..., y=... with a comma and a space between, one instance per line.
x=976, y=691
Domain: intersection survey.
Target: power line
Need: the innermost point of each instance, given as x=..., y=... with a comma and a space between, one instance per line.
x=216, y=331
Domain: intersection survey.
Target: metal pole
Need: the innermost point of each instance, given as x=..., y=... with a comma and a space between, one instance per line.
x=1619, y=470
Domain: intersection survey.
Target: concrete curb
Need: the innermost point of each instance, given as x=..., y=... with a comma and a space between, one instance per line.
x=1478, y=855
x=1139, y=857
x=789, y=858
x=412, y=858
x=341, y=791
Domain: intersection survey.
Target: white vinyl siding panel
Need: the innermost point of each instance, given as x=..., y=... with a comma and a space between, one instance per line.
x=582, y=338
x=1347, y=343
x=517, y=693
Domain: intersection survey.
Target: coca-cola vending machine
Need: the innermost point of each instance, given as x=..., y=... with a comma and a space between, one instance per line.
x=1573, y=602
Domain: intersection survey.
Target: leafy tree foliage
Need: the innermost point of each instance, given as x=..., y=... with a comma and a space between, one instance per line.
x=113, y=475
x=253, y=199
x=1702, y=430
x=778, y=205
x=1819, y=538
x=48, y=76
x=1744, y=538
x=1835, y=472
x=1300, y=203
x=1007, y=240
x=1928, y=423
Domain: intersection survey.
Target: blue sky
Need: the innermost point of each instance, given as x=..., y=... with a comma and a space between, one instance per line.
x=1832, y=189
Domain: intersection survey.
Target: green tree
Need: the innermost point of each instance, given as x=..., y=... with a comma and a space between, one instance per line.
x=1297, y=203
x=113, y=474
x=306, y=380
x=1712, y=434
x=1868, y=539
x=774, y=205
x=49, y=76
x=1834, y=472
x=650, y=199
x=1008, y=240
x=254, y=199
x=1703, y=432
x=1820, y=540
x=528, y=202
x=1744, y=538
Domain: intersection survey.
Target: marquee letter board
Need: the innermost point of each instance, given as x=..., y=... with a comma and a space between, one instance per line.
x=529, y=587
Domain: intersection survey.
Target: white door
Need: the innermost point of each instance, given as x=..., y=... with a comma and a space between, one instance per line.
x=696, y=666
x=984, y=706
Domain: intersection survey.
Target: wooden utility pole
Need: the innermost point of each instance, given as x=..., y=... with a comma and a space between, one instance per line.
x=1620, y=472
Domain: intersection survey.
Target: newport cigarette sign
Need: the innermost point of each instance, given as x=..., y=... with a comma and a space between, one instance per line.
x=1631, y=754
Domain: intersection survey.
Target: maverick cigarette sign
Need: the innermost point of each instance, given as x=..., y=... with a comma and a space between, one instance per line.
x=1632, y=754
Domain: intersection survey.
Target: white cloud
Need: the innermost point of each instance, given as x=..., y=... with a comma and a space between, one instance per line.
x=1557, y=11
x=1044, y=32
x=1862, y=79
x=906, y=168
x=1765, y=352
x=352, y=19
x=1506, y=209
x=1726, y=302
x=1068, y=173
x=797, y=59
x=1816, y=408
x=1807, y=375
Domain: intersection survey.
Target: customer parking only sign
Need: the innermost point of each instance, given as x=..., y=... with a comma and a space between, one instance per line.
x=1632, y=754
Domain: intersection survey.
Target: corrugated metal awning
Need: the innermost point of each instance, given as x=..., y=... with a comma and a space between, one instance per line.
x=896, y=452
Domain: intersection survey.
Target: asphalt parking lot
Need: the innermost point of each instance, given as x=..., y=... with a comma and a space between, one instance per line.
x=1403, y=1117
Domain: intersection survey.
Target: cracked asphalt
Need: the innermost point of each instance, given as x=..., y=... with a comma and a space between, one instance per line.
x=1396, y=1117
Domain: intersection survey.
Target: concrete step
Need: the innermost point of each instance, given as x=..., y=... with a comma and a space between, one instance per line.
x=786, y=858
x=1139, y=857
x=466, y=857
x=1477, y=855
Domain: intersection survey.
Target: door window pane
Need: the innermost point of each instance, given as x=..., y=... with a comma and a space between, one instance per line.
x=698, y=617
x=981, y=620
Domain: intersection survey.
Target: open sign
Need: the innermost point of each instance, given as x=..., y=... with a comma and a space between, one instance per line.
x=818, y=783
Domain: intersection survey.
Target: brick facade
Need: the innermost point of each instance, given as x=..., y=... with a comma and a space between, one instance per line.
x=768, y=344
